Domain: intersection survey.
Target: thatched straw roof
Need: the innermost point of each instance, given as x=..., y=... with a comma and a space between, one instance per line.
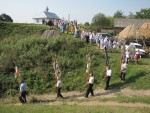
x=130, y=32
x=144, y=30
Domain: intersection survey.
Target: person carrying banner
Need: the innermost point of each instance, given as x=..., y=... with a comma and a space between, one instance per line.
x=59, y=86
x=137, y=56
x=22, y=93
x=108, y=77
x=123, y=70
x=90, y=86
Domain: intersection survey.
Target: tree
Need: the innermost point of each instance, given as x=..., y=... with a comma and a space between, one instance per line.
x=100, y=21
x=131, y=15
x=111, y=21
x=86, y=24
x=1, y=18
x=143, y=14
x=119, y=14
x=5, y=18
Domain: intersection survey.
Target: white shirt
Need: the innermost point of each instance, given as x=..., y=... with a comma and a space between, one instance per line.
x=109, y=72
x=123, y=67
x=23, y=87
x=91, y=80
x=127, y=54
x=137, y=52
x=59, y=84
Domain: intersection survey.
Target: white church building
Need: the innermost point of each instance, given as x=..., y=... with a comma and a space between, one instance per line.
x=45, y=16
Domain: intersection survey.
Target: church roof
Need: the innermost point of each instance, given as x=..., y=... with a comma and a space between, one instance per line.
x=46, y=15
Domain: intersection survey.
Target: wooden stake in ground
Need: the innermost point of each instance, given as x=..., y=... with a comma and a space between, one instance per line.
x=106, y=60
x=57, y=71
x=123, y=49
x=88, y=61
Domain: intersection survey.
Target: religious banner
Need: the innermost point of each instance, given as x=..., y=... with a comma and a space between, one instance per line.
x=123, y=49
x=56, y=69
x=17, y=72
x=88, y=61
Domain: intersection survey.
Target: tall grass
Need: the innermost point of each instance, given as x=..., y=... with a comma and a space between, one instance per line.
x=22, y=45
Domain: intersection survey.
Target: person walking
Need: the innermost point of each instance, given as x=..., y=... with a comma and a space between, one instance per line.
x=137, y=56
x=59, y=86
x=90, y=86
x=123, y=70
x=127, y=56
x=87, y=36
x=108, y=77
x=22, y=93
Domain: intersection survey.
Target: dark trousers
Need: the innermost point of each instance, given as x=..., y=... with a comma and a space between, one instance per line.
x=22, y=98
x=89, y=90
x=87, y=39
x=127, y=60
x=107, y=82
x=59, y=93
x=122, y=76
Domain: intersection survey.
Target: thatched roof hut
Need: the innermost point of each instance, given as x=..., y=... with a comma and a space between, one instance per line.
x=144, y=30
x=130, y=32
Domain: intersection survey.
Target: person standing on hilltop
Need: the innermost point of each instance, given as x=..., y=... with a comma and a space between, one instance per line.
x=108, y=77
x=22, y=93
x=90, y=86
x=137, y=56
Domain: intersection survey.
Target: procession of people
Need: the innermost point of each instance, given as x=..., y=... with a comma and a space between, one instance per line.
x=103, y=43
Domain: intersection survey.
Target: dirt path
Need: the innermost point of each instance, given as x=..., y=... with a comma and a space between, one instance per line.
x=77, y=98
x=98, y=93
x=97, y=103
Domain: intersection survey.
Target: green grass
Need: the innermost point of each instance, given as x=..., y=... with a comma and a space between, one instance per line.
x=22, y=45
x=69, y=109
x=127, y=99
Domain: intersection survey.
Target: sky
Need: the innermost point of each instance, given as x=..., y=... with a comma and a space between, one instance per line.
x=22, y=11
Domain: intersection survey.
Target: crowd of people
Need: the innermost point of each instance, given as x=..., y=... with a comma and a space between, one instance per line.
x=89, y=37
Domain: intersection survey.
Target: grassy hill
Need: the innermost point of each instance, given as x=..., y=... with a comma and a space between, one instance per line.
x=22, y=45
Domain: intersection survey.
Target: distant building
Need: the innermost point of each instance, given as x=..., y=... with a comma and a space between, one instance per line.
x=45, y=16
x=121, y=23
x=124, y=22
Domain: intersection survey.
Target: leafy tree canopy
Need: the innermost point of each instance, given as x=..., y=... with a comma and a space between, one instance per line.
x=5, y=18
x=119, y=14
x=143, y=14
x=86, y=24
x=100, y=20
x=131, y=15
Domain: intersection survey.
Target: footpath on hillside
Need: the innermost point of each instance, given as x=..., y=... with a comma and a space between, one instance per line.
x=77, y=98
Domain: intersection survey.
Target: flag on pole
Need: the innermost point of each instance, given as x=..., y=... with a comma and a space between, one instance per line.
x=123, y=49
x=17, y=72
x=88, y=61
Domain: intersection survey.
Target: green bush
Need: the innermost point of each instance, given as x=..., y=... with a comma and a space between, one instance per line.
x=22, y=45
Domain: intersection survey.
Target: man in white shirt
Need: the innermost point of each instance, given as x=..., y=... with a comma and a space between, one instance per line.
x=108, y=76
x=127, y=56
x=59, y=86
x=22, y=92
x=123, y=70
x=90, y=86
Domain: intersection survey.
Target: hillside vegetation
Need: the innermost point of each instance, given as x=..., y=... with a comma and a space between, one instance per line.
x=22, y=45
